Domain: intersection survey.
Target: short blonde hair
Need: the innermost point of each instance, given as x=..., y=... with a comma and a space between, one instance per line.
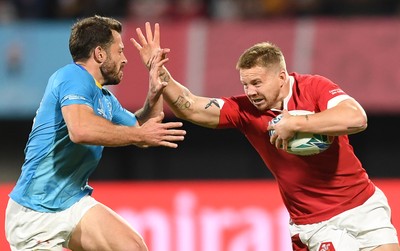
x=263, y=54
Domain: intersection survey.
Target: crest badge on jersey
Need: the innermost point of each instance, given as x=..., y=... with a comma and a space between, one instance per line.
x=326, y=246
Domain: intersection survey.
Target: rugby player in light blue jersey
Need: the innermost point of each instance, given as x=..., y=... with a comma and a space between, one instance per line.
x=51, y=206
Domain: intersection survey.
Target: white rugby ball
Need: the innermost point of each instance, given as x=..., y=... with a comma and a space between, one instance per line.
x=302, y=143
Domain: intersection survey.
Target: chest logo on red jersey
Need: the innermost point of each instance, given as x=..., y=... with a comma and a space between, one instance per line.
x=326, y=246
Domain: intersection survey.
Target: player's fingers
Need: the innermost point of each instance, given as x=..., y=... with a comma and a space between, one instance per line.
x=163, y=85
x=149, y=33
x=176, y=133
x=161, y=58
x=162, y=62
x=168, y=144
x=159, y=88
x=172, y=125
x=136, y=44
x=141, y=37
x=156, y=33
x=278, y=143
x=173, y=138
x=165, y=51
x=272, y=138
x=284, y=145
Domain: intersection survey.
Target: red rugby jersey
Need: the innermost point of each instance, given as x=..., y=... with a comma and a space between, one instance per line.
x=313, y=188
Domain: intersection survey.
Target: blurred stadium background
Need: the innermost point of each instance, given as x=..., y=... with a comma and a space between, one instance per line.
x=356, y=43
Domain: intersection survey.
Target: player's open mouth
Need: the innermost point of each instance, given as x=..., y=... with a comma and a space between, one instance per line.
x=257, y=101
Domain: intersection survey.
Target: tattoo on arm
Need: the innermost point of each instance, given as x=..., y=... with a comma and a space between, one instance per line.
x=151, y=59
x=149, y=62
x=212, y=102
x=181, y=103
x=164, y=76
x=306, y=116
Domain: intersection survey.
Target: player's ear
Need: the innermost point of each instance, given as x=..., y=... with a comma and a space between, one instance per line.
x=283, y=76
x=99, y=54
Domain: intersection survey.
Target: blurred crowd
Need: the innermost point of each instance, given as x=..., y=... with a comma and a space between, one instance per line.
x=187, y=9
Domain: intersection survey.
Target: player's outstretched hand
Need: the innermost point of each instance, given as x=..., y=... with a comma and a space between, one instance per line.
x=158, y=80
x=155, y=133
x=148, y=45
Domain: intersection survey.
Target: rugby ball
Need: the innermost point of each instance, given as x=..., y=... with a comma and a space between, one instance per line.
x=302, y=143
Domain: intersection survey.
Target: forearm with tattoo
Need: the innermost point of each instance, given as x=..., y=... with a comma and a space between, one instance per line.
x=164, y=76
x=181, y=103
x=212, y=102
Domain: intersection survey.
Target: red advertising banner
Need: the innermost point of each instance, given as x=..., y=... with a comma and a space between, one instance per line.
x=204, y=215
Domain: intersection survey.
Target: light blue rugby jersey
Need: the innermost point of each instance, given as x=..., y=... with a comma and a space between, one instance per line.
x=55, y=171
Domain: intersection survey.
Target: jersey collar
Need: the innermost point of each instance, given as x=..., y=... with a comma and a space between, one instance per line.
x=286, y=100
x=97, y=83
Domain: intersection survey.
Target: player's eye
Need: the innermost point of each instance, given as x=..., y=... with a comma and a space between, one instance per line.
x=258, y=84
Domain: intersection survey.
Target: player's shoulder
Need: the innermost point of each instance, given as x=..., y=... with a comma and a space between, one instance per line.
x=308, y=78
x=311, y=81
x=236, y=98
x=68, y=69
x=239, y=104
x=239, y=100
x=70, y=73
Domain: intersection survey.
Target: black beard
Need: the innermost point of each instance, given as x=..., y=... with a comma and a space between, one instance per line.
x=112, y=81
x=110, y=73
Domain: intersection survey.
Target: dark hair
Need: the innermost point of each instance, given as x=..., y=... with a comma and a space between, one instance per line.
x=263, y=54
x=88, y=33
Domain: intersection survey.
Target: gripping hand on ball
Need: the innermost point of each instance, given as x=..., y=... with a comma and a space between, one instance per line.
x=281, y=131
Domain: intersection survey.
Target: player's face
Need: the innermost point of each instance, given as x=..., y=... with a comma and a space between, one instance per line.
x=263, y=87
x=111, y=69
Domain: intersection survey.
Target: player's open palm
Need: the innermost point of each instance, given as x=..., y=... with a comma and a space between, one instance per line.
x=156, y=133
x=148, y=45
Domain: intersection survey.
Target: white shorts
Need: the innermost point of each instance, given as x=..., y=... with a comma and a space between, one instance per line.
x=31, y=230
x=361, y=228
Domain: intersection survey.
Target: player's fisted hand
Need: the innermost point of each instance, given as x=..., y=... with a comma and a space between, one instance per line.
x=155, y=133
x=278, y=141
x=281, y=132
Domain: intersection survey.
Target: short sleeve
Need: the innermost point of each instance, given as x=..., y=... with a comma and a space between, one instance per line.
x=231, y=115
x=325, y=92
x=77, y=89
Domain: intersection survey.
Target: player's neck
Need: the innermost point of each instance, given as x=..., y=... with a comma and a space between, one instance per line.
x=93, y=70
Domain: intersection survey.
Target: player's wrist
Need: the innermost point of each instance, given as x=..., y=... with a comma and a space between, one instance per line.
x=300, y=122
